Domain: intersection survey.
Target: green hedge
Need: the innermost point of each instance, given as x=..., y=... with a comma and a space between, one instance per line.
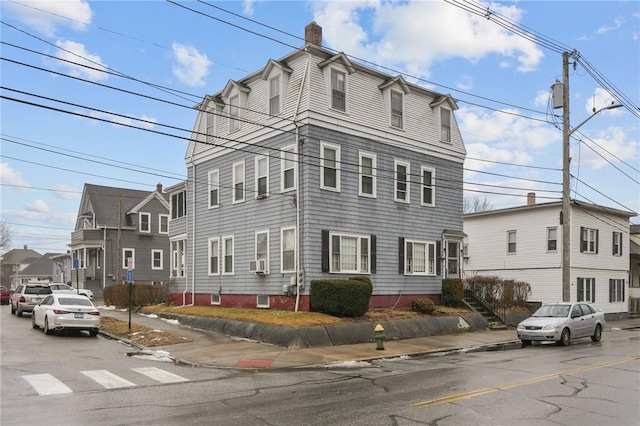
x=341, y=298
x=452, y=291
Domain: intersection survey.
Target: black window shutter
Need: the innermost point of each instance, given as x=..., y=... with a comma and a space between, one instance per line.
x=583, y=242
x=611, y=290
x=438, y=258
x=621, y=244
x=597, y=234
x=401, y=255
x=325, y=250
x=593, y=288
x=580, y=289
x=613, y=245
x=373, y=254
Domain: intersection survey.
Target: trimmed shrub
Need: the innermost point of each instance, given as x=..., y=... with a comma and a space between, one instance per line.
x=141, y=294
x=424, y=306
x=494, y=289
x=340, y=298
x=452, y=292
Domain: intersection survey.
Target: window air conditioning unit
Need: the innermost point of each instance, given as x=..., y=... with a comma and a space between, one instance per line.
x=258, y=266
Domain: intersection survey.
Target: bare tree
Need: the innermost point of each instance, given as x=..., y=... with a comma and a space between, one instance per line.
x=475, y=204
x=5, y=235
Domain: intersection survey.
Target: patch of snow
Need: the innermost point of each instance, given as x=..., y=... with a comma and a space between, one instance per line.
x=171, y=321
x=150, y=315
x=462, y=324
x=398, y=358
x=349, y=364
x=615, y=329
x=161, y=356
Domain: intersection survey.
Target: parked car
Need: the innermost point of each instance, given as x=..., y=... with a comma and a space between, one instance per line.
x=67, y=289
x=27, y=296
x=61, y=311
x=561, y=322
x=4, y=295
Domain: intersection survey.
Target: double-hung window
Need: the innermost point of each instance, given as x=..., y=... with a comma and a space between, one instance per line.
x=288, y=249
x=214, y=188
x=214, y=256
x=211, y=124
x=338, y=90
x=616, y=290
x=445, y=124
x=145, y=222
x=238, y=182
x=163, y=224
x=617, y=243
x=420, y=257
x=227, y=255
x=552, y=239
x=288, y=168
x=397, y=108
x=350, y=253
x=262, y=176
x=178, y=249
x=274, y=95
x=586, y=290
x=234, y=113
x=330, y=170
x=428, y=186
x=128, y=253
x=367, y=175
x=401, y=181
x=588, y=240
x=178, y=205
x=262, y=248
x=511, y=242
x=156, y=259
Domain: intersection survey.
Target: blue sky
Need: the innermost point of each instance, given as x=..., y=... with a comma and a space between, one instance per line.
x=163, y=57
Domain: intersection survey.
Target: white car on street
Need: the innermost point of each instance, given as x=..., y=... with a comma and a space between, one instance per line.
x=66, y=289
x=59, y=312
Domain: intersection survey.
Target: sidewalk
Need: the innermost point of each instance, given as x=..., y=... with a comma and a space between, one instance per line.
x=217, y=350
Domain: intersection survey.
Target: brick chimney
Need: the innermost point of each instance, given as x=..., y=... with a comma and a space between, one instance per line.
x=159, y=188
x=313, y=34
x=531, y=199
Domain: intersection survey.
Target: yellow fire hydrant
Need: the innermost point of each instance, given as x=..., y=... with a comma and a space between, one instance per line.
x=379, y=336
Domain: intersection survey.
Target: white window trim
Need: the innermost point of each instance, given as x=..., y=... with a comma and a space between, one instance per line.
x=234, y=119
x=270, y=95
x=335, y=147
x=244, y=182
x=211, y=123
x=292, y=149
x=374, y=165
x=397, y=163
x=178, y=262
x=215, y=296
x=124, y=257
x=148, y=216
x=224, y=255
x=153, y=253
x=257, y=176
x=215, y=240
x=440, y=108
x=295, y=249
x=432, y=185
x=167, y=217
x=426, y=257
x=211, y=185
x=327, y=80
x=262, y=305
x=358, y=238
x=402, y=94
x=515, y=242
x=255, y=251
x=618, y=247
x=549, y=239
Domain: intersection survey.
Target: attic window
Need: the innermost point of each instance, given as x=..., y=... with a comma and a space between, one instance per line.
x=445, y=124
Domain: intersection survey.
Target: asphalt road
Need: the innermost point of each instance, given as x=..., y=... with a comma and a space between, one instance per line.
x=80, y=380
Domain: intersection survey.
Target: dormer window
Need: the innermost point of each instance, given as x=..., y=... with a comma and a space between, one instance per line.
x=338, y=90
x=393, y=93
x=234, y=113
x=274, y=95
x=445, y=124
x=397, y=102
x=235, y=96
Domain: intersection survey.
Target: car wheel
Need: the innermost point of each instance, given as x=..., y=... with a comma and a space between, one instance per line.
x=597, y=333
x=46, y=327
x=18, y=311
x=565, y=337
x=33, y=321
x=526, y=343
x=93, y=333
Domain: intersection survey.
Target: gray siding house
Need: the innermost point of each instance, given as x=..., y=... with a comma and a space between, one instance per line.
x=117, y=224
x=314, y=167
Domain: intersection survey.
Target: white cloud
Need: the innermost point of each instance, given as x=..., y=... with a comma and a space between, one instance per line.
x=76, y=52
x=38, y=206
x=542, y=99
x=601, y=149
x=9, y=176
x=247, y=7
x=46, y=16
x=617, y=23
x=66, y=192
x=443, y=31
x=465, y=82
x=191, y=66
x=600, y=99
x=118, y=120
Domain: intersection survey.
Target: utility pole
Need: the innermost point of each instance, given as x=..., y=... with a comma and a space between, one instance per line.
x=566, y=202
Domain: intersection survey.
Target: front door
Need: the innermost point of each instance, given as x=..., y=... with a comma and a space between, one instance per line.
x=452, y=259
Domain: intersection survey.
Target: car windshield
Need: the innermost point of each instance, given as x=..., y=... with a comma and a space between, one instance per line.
x=73, y=301
x=559, y=311
x=37, y=290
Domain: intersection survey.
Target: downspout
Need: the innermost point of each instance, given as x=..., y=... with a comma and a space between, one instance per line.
x=104, y=258
x=299, y=168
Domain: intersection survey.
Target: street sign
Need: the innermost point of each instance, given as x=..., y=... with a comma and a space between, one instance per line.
x=129, y=263
x=76, y=263
x=130, y=275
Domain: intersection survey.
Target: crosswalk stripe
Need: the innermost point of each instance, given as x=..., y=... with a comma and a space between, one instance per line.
x=107, y=379
x=46, y=384
x=160, y=375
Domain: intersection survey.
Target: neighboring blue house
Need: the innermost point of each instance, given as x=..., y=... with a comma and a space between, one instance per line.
x=316, y=166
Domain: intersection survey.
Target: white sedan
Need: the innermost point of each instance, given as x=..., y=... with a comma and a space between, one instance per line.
x=63, y=288
x=61, y=311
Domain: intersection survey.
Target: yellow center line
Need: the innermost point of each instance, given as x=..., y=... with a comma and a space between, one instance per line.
x=478, y=392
